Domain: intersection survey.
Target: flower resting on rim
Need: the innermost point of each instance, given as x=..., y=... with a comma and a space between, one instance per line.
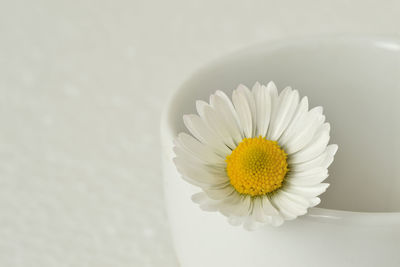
x=258, y=159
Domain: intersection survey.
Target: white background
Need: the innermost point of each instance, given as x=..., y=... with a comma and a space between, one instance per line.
x=82, y=85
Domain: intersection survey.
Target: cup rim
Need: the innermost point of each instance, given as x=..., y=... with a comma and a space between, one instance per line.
x=316, y=213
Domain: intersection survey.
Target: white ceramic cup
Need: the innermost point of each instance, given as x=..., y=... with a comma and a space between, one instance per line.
x=357, y=81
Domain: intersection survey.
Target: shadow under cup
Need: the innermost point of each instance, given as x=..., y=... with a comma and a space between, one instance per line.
x=357, y=81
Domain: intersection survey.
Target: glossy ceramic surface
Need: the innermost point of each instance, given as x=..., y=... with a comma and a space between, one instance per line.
x=356, y=80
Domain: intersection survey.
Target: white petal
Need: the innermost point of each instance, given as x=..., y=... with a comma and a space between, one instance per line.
x=263, y=109
x=283, y=207
x=323, y=160
x=218, y=124
x=210, y=205
x=273, y=92
x=230, y=204
x=305, y=131
x=298, y=118
x=243, y=111
x=195, y=148
x=200, y=104
x=243, y=207
x=331, y=151
x=277, y=220
x=307, y=191
x=194, y=182
x=181, y=153
x=202, y=132
x=203, y=185
x=252, y=105
x=258, y=210
x=288, y=101
x=236, y=221
x=276, y=107
x=268, y=208
x=254, y=90
x=214, y=186
x=192, y=123
x=256, y=218
x=227, y=112
x=199, y=198
x=220, y=193
x=212, y=169
x=290, y=205
x=198, y=173
x=307, y=178
x=314, y=201
x=205, y=202
x=263, y=212
x=229, y=103
x=314, y=148
x=301, y=200
x=251, y=224
x=294, y=204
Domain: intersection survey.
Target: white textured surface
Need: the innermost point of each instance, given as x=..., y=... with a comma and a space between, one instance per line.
x=82, y=84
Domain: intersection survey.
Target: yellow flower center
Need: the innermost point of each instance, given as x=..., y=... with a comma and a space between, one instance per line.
x=257, y=166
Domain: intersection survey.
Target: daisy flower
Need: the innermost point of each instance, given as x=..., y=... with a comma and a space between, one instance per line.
x=259, y=158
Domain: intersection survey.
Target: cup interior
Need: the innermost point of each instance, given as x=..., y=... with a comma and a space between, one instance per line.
x=355, y=79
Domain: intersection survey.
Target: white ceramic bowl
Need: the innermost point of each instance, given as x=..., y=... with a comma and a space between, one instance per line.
x=357, y=81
